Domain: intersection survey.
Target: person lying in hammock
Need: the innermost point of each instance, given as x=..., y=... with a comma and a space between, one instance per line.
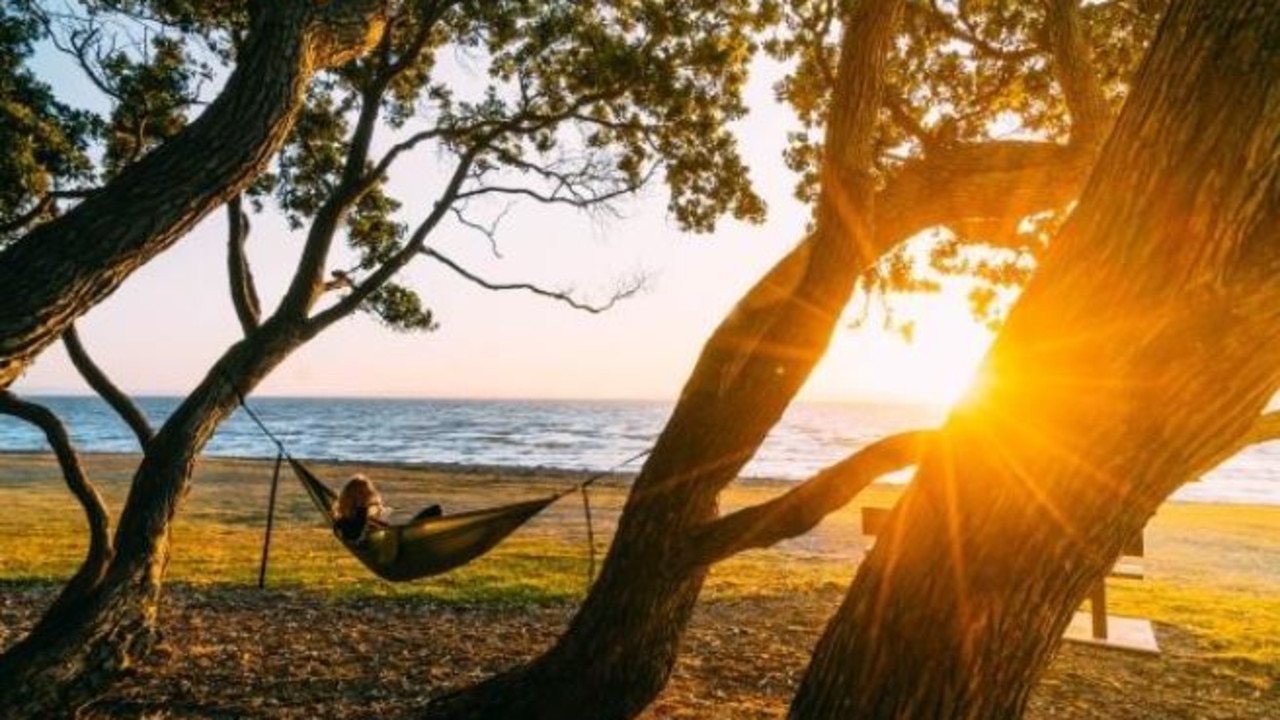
x=360, y=509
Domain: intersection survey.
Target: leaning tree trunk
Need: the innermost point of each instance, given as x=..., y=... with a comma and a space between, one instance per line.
x=1149, y=341
x=79, y=648
x=621, y=647
x=60, y=270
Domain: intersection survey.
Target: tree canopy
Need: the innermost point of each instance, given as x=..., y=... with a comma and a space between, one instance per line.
x=972, y=88
x=574, y=105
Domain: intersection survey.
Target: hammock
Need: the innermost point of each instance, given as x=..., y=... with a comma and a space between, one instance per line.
x=426, y=546
x=429, y=546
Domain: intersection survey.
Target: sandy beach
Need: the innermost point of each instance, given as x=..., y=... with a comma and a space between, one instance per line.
x=327, y=639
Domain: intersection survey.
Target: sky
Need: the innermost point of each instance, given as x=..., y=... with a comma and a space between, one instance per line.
x=160, y=332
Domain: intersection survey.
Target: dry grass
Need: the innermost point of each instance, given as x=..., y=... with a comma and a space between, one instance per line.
x=1213, y=588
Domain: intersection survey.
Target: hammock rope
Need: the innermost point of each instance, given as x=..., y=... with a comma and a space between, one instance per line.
x=428, y=546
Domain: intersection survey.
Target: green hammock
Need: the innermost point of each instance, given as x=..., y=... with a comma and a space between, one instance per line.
x=428, y=546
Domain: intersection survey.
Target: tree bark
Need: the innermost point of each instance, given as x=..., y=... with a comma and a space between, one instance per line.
x=61, y=269
x=1160, y=293
x=77, y=649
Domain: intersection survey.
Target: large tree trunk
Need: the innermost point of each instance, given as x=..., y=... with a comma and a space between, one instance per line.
x=1148, y=343
x=79, y=648
x=60, y=270
x=622, y=645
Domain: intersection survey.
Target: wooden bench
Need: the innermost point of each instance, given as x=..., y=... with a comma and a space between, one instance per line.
x=1096, y=627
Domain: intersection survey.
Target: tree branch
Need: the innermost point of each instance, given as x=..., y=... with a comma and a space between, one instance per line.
x=993, y=182
x=561, y=195
x=1077, y=77
x=623, y=293
x=362, y=290
x=1265, y=429
x=798, y=510
x=244, y=293
x=95, y=510
x=80, y=257
x=308, y=280
x=490, y=231
x=107, y=390
x=393, y=153
x=906, y=120
x=46, y=205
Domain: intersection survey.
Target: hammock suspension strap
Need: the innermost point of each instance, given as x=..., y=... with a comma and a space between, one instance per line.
x=262, y=426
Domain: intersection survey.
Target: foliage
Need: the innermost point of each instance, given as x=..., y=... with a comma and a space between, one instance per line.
x=151, y=93
x=566, y=103
x=582, y=104
x=963, y=72
x=58, y=152
x=46, y=141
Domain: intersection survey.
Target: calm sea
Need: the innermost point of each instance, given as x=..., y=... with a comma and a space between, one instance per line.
x=578, y=435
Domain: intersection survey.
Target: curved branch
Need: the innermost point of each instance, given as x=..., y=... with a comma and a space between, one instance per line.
x=244, y=293
x=62, y=268
x=95, y=510
x=395, y=151
x=622, y=294
x=798, y=510
x=308, y=282
x=107, y=390
x=990, y=181
x=362, y=290
x=1265, y=429
x=1077, y=77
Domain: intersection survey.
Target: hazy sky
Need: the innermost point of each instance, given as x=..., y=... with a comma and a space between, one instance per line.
x=160, y=332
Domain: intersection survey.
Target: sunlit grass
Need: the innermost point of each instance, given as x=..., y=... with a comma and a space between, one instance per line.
x=1213, y=571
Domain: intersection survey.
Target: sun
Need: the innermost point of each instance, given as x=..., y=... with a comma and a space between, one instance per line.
x=936, y=367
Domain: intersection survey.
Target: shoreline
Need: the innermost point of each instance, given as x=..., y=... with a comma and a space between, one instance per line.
x=1188, y=544
x=545, y=473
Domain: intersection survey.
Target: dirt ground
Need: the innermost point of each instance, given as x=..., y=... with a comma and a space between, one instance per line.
x=243, y=653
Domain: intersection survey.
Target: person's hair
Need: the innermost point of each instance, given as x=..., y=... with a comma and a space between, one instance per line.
x=357, y=494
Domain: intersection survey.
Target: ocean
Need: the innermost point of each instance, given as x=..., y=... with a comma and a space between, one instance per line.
x=568, y=434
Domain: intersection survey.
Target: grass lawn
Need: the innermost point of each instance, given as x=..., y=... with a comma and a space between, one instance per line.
x=1212, y=581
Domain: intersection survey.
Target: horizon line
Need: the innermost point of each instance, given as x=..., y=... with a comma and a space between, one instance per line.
x=829, y=400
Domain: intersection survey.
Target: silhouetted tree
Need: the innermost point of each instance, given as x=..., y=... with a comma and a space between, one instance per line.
x=582, y=106
x=1146, y=345
x=885, y=170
